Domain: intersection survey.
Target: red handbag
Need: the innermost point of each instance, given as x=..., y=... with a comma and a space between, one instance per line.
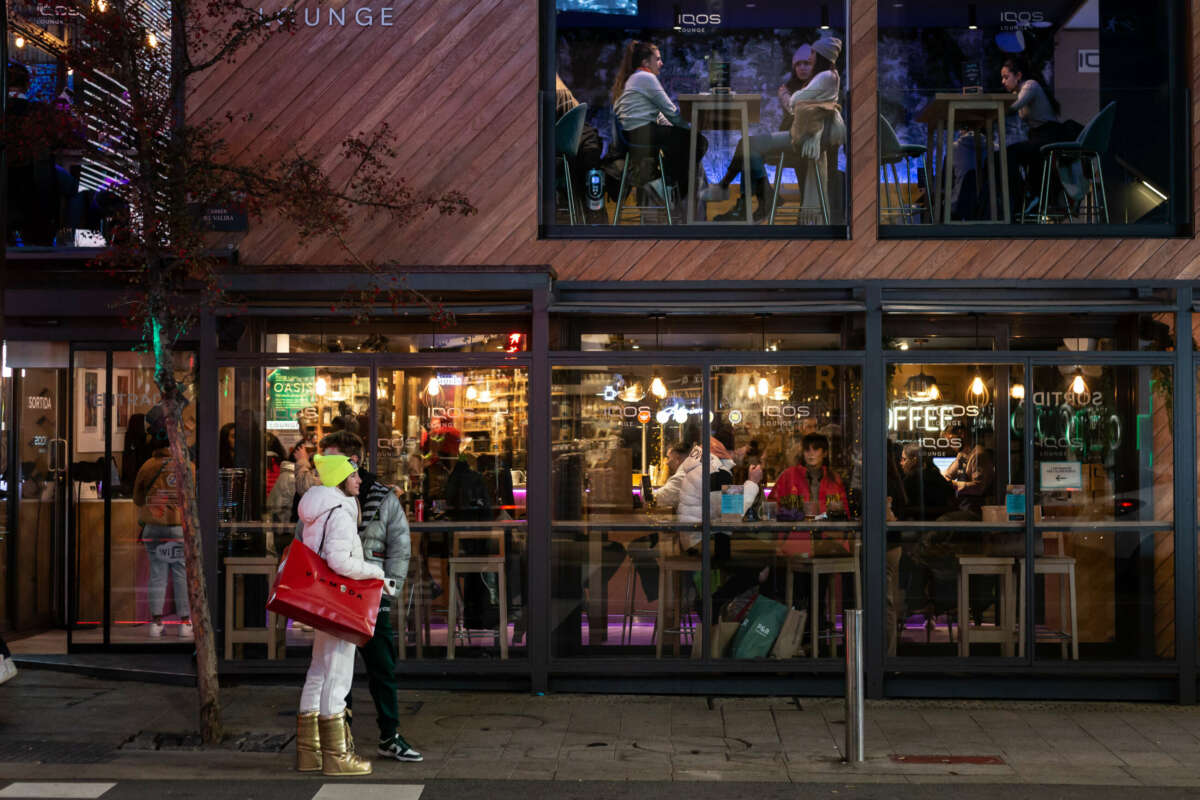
x=308, y=591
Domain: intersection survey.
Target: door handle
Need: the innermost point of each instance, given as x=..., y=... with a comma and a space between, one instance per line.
x=58, y=456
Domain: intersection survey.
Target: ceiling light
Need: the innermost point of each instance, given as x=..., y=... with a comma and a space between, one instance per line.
x=321, y=387
x=972, y=21
x=904, y=345
x=472, y=393
x=19, y=42
x=751, y=392
x=977, y=387
x=1077, y=384
x=1017, y=391
x=485, y=396
x=433, y=388
x=824, y=17
x=151, y=40
x=921, y=388
x=763, y=387
x=658, y=388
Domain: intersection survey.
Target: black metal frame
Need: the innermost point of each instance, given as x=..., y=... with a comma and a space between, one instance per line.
x=1167, y=679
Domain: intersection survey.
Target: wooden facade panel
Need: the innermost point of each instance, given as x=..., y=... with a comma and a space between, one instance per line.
x=457, y=83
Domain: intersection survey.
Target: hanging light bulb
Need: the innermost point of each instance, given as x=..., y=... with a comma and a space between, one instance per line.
x=321, y=387
x=779, y=394
x=486, y=395
x=19, y=42
x=101, y=6
x=751, y=392
x=472, y=393
x=1077, y=384
x=763, y=387
x=433, y=388
x=977, y=387
x=151, y=40
x=934, y=392
x=1018, y=391
x=658, y=388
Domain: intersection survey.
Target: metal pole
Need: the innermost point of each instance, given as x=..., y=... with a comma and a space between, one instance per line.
x=852, y=619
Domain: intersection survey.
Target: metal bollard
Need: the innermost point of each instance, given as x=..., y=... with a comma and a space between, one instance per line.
x=852, y=618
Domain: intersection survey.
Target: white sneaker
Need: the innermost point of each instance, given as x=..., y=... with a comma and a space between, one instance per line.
x=156, y=630
x=715, y=194
x=8, y=670
x=185, y=630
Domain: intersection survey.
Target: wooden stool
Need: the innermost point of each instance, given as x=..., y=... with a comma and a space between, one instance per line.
x=670, y=569
x=471, y=565
x=1052, y=565
x=235, y=604
x=816, y=567
x=1005, y=630
x=631, y=611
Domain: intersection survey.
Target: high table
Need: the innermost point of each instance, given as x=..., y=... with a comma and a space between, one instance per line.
x=716, y=112
x=941, y=116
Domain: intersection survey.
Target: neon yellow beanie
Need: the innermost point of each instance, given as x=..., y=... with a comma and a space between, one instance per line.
x=334, y=469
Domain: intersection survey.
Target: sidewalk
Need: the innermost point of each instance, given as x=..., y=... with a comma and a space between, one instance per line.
x=88, y=729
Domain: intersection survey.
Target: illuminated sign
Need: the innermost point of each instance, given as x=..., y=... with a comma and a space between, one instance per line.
x=928, y=418
x=516, y=343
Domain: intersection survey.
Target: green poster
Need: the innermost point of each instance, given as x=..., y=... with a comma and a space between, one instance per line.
x=289, y=391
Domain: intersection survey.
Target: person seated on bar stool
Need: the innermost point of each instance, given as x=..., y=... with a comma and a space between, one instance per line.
x=590, y=154
x=649, y=117
x=817, y=124
x=811, y=488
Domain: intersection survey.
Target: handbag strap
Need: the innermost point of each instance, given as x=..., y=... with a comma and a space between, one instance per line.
x=325, y=528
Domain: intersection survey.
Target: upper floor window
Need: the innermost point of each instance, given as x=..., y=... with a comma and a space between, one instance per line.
x=683, y=120
x=1062, y=114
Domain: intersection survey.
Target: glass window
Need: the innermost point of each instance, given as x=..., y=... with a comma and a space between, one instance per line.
x=451, y=340
x=1050, y=332
x=762, y=333
x=148, y=598
x=1046, y=114
x=956, y=530
x=451, y=446
x=698, y=116
x=783, y=488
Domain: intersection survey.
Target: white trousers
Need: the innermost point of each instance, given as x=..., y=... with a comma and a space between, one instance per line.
x=330, y=674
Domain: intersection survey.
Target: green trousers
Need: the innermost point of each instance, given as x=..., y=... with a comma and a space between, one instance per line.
x=379, y=655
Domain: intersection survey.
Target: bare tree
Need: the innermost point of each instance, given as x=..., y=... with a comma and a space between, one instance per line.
x=134, y=59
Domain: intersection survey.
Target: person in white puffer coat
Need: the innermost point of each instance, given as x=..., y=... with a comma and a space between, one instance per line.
x=329, y=513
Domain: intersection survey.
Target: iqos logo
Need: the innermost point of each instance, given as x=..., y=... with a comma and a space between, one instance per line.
x=699, y=19
x=1021, y=18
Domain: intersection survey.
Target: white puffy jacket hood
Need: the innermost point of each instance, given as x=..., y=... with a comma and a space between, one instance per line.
x=332, y=516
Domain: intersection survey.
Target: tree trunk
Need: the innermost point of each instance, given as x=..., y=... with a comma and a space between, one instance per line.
x=185, y=473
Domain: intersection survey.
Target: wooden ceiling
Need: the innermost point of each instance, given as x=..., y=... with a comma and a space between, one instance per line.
x=457, y=81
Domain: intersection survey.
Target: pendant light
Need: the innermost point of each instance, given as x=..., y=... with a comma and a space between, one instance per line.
x=658, y=388
x=1017, y=391
x=1078, y=386
x=764, y=388
x=433, y=388
x=472, y=393
x=977, y=386
x=321, y=387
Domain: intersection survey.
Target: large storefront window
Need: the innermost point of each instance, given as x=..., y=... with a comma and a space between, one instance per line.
x=1065, y=114
x=1100, y=495
x=781, y=496
x=449, y=443
x=691, y=118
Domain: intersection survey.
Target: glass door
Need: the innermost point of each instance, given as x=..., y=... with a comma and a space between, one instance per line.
x=35, y=481
x=129, y=577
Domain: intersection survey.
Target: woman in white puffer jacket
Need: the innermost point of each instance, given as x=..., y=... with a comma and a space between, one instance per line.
x=330, y=516
x=688, y=488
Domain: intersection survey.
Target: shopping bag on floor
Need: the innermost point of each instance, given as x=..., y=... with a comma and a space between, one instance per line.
x=759, y=630
x=790, y=642
x=308, y=591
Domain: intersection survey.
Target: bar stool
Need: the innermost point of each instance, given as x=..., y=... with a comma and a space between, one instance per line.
x=1063, y=566
x=670, y=570
x=1005, y=630
x=417, y=598
x=235, y=606
x=482, y=565
x=631, y=612
x=816, y=567
x=815, y=165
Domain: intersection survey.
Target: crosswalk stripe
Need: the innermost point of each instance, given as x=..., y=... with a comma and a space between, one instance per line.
x=59, y=791
x=369, y=791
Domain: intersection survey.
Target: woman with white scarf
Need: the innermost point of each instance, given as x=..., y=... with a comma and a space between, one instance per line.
x=817, y=125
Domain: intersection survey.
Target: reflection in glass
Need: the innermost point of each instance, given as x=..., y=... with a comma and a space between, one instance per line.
x=955, y=509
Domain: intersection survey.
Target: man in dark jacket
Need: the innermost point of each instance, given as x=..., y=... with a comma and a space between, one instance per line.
x=383, y=528
x=929, y=493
